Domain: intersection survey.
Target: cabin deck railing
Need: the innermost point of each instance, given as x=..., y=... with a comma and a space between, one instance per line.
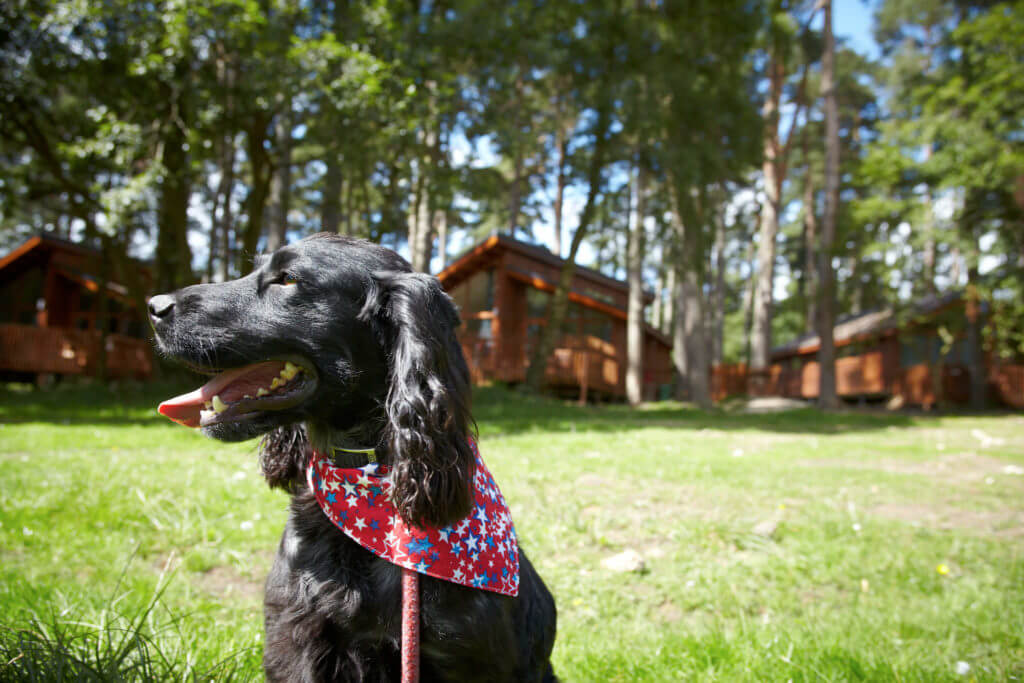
x=60, y=351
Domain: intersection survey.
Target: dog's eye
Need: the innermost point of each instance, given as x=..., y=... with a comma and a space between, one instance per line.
x=285, y=279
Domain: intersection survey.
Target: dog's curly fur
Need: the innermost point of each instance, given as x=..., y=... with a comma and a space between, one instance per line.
x=392, y=375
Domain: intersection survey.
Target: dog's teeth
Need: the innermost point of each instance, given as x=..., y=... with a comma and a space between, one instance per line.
x=206, y=415
x=262, y=392
x=218, y=405
x=276, y=383
x=290, y=370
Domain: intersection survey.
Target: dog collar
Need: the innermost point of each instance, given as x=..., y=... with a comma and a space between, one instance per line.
x=480, y=551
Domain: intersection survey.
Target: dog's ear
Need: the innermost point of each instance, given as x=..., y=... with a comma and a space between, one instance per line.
x=427, y=405
x=284, y=454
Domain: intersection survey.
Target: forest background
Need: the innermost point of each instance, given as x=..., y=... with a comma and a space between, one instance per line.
x=761, y=178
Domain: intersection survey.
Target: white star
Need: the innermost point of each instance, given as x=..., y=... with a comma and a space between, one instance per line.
x=352, y=502
x=363, y=480
x=350, y=489
x=457, y=575
x=391, y=538
x=360, y=523
x=443, y=533
x=331, y=485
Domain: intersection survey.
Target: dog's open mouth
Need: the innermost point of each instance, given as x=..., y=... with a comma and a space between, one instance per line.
x=242, y=393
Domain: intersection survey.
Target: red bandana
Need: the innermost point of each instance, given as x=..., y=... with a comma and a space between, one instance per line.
x=480, y=551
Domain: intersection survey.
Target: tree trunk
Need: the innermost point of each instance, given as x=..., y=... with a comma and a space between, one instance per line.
x=635, y=311
x=225, y=187
x=718, y=303
x=810, y=280
x=173, y=254
x=560, y=301
x=658, y=305
x=212, y=242
x=975, y=353
x=669, y=311
x=562, y=145
x=748, y=303
x=827, y=397
x=761, y=332
x=256, y=201
x=281, y=182
x=928, y=275
x=687, y=228
x=441, y=225
x=332, y=195
x=680, y=355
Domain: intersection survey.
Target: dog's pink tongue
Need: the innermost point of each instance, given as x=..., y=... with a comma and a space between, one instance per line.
x=185, y=409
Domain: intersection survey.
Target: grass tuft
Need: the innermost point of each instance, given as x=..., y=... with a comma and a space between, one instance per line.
x=124, y=640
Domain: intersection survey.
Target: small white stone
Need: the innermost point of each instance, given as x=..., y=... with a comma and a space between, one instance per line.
x=962, y=668
x=1013, y=469
x=245, y=526
x=627, y=561
x=766, y=528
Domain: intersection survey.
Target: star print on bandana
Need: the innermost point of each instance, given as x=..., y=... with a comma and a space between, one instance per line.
x=480, y=550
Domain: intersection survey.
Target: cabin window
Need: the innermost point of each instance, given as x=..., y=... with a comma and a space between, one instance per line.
x=475, y=294
x=479, y=328
x=598, y=325
x=537, y=301
x=918, y=348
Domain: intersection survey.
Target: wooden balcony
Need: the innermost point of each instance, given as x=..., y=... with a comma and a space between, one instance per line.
x=59, y=351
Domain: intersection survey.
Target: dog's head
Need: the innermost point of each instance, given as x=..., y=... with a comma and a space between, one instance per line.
x=339, y=334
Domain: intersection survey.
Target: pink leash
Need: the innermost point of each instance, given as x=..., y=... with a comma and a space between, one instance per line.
x=410, y=626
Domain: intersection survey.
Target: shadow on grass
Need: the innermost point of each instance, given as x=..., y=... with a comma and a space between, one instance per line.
x=124, y=403
x=498, y=410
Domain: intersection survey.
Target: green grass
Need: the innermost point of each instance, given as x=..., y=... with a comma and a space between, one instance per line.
x=114, y=521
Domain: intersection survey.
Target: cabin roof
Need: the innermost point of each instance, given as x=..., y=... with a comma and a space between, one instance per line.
x=36, y=251
x=480, y=254
x=477, y=254
x=865, y=325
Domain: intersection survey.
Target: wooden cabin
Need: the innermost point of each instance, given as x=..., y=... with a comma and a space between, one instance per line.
x=885, y=355
x=503, y=286
x=49, y=304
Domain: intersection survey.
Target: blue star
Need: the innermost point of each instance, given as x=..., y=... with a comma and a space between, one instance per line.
x=435, y=556
x=418, y=545
x=490, y=542
x=375, y=524
x=343, y=514
x=456, y=548
x=376, y=490
x=331, y=498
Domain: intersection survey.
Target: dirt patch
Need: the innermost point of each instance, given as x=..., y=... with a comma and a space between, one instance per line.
x=954, y=467
x=668, y=612
x=593, y=481
x=224, y=581
x=998, y=522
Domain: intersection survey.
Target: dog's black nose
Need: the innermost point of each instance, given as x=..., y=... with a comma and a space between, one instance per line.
x=160, y=306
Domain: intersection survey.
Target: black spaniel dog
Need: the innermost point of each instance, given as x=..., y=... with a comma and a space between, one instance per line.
x=333, y=343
